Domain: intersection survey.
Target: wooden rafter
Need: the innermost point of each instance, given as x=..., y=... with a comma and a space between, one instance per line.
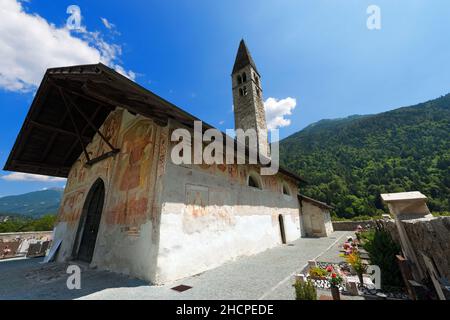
x=57, y=130
x=92, y=125
x=51, y=142
x=74, y=124
x=69, y=152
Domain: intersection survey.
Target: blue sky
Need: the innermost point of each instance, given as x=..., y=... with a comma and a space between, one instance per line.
x=318, y=53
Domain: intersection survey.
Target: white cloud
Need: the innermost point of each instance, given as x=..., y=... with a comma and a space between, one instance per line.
x=110, y=26
x=29, y=45
x=277, y=110
x=129, y=74
x=18, y=176
x=107, y=24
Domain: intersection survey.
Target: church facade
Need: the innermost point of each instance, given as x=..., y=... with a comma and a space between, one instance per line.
x=127, y=207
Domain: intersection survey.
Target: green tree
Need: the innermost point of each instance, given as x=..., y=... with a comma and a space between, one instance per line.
x=349, y=162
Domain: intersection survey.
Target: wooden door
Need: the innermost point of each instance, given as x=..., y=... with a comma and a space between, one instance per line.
x=282, y=230
x=93, y=214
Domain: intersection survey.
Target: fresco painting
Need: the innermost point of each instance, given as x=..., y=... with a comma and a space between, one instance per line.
x=199, y=215
x=131, y=182
x=110, y=130
x=71, y=208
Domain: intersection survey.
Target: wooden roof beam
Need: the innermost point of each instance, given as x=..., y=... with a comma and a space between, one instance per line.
x=58, y=130
x=94, y=115
x=93, y=126
x=74, y=124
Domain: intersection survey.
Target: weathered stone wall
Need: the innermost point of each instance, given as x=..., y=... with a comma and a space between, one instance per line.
x=38, y=235
x=391, y=227
x=430, y=236
x=128, y=233
x=352, y=225
x=249, y=110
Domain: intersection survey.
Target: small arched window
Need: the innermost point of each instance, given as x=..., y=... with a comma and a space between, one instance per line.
x=241, y=92
x=254, y=181
x=239, y=79
x=286, y=190
x=244, y=91
x=244, y=77
x=256, y=79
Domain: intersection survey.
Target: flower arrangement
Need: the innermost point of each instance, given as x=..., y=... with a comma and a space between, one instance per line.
x=318, y=273
x=355, y=261
x=334, y=278
x=350, y=246
x=329, y=274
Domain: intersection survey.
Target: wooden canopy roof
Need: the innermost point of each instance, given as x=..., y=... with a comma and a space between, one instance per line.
x=69, y=107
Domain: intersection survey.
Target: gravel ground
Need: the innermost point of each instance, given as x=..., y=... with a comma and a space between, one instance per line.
x=268, y=275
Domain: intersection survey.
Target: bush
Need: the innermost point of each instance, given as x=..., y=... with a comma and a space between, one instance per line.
x=366, y=236
x=441, y=214
x=24, y=224
x=305, y=290
x=382, y=251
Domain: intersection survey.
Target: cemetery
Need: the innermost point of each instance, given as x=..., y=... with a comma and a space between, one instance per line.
x=404, y=256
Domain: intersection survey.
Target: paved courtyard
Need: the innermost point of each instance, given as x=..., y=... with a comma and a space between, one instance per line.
x=268, y=275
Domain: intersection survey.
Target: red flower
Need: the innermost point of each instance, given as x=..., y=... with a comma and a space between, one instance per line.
x=333, y=275
x=329, y=269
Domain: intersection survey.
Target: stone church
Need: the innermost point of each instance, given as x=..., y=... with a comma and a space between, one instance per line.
x=126, y=206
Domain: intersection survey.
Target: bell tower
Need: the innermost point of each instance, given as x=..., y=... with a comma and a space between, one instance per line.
x=248, y=98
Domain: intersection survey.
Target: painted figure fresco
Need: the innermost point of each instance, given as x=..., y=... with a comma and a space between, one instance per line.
x=110, y=130
x=131, y=187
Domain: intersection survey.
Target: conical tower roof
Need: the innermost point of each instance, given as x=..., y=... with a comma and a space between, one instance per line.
x=243, y=58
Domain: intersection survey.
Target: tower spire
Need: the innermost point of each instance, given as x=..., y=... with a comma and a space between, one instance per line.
x=248, y=99
x=243, y=58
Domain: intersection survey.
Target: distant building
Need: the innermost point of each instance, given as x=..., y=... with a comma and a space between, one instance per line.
x=127, y=207
x=316, y=217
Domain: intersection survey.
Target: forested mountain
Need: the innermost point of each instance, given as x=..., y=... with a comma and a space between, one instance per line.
x=33, y=204
x=349, y=162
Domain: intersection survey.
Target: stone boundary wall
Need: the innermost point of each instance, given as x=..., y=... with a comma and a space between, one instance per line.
x=430, y=236
x=21, y=244
x=352, y=225
x=12, y=236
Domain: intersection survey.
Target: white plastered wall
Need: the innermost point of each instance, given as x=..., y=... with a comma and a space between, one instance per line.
x=208, y=219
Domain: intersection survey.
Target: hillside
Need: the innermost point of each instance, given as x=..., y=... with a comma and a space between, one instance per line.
x=33, y=204
x=349, y=162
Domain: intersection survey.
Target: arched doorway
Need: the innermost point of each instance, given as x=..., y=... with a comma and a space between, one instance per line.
x=283, y=234
x=90, y=222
